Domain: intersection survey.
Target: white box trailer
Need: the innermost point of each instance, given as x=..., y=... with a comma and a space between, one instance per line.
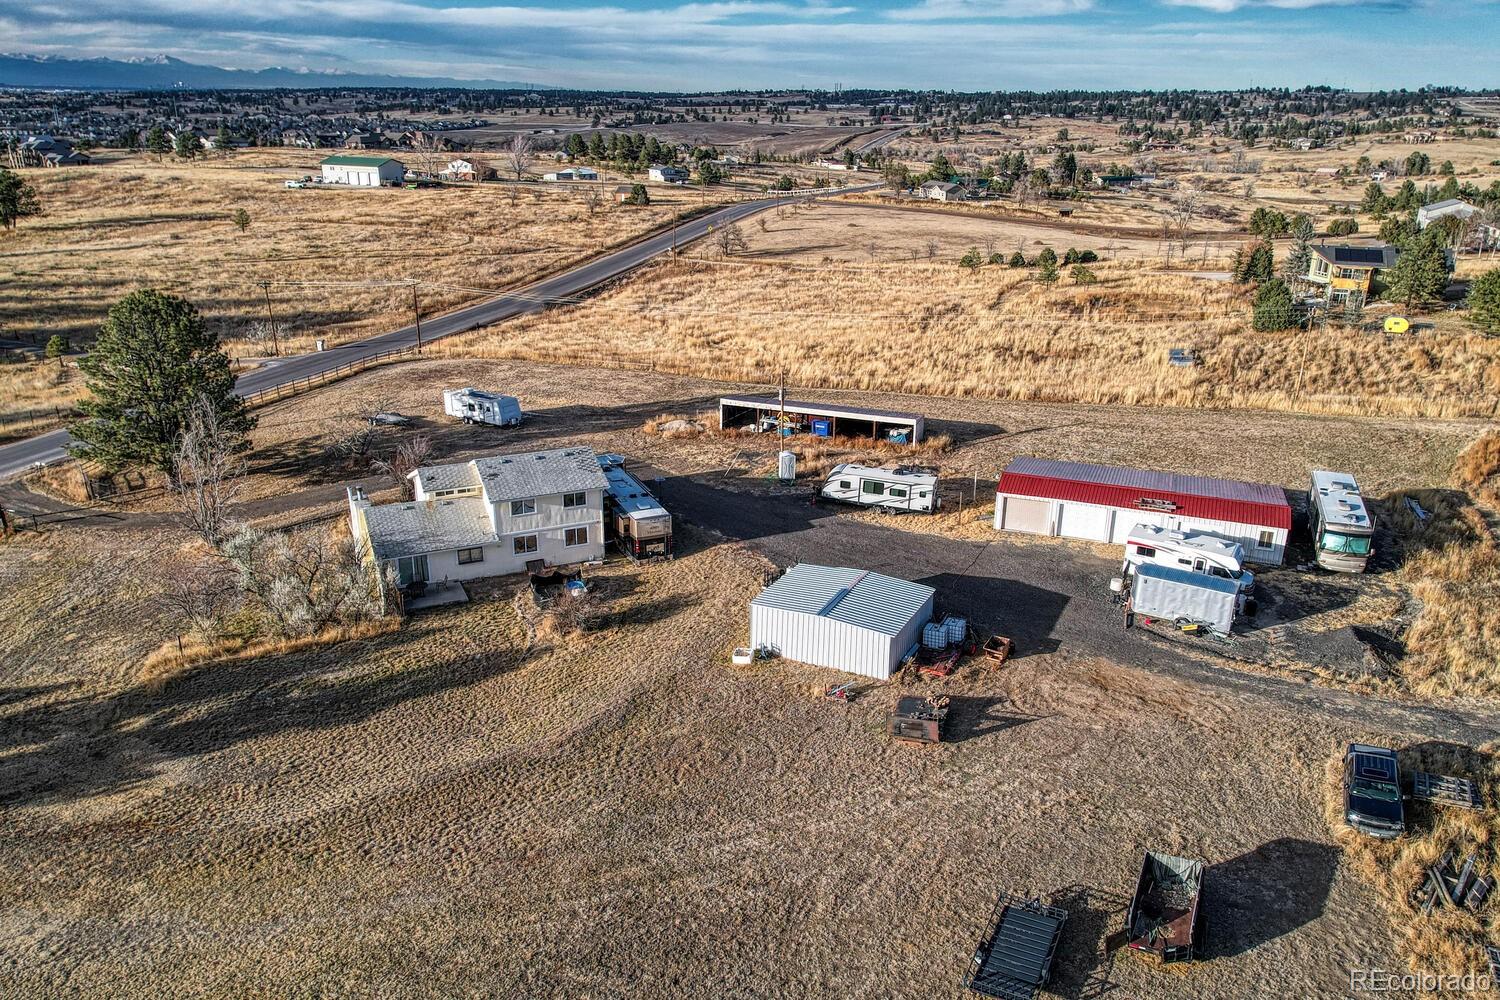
x=892, y=489
x=475, y=406
x=1182, y=596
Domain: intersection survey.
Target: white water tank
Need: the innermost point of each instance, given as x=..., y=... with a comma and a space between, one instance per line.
x=786, y=466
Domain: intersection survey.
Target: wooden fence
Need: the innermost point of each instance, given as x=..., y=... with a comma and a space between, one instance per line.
x=286, y=389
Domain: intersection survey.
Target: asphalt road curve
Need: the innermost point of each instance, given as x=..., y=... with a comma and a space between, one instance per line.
x=23, y=455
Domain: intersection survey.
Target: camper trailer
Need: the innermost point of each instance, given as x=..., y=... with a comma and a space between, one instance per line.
x=1197, y=551
x=475, y=406
x=635, y=519
x=1342, y=529
x=1193, y=601
x=892, y=489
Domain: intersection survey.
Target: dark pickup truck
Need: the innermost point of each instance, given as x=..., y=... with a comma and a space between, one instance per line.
x=1372, y=792
x=1164, y=918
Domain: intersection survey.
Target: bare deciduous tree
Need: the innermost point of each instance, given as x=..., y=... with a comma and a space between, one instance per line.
x=932, y=249
x=406, y=459
x=730, y=240
x=592, y=199
x=429, y=153
x=518, y=154
x=304, y=582
x=195, y=593
x=207, y=470
x=1182, y=212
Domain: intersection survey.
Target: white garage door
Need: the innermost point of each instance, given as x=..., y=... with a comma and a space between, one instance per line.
x=1026, y=514
x=1126, y=520
x=1085, y=521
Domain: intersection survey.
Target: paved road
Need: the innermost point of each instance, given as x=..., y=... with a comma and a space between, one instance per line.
x=882, y=140
x=23, y=455
x=1048, y=600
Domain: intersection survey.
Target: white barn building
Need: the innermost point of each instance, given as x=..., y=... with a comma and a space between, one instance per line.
x=362, y=171
x=1102, y=503
x=489, y=517
x=848, y=619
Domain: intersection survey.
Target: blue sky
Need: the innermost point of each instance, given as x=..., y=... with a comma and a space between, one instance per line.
x=959, y=44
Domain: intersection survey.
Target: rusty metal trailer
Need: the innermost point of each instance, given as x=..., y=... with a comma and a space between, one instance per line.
x=1164, y=918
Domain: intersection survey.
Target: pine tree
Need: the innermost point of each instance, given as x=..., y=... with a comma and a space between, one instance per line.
x=18, y=199
x=187, y=146
x=1046, y=271
x=1274, y=309
x=1261, y=265
x=1047, y=258
x=153, y=360
x=1018, y=259
x=1484, y=301
x=598, y=150
x=1420, y=274
x=157, y=142
x=1294, y=268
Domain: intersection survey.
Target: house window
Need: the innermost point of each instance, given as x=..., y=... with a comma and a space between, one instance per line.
x=575, y=499
x=525, y=544
x=576, y=536
x=872, y=488
x=518, y=507
x=467, y=556
x=1266, y=540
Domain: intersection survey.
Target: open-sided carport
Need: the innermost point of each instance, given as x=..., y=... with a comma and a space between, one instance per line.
x=821, y=419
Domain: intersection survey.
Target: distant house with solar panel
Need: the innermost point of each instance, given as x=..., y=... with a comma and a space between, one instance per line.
x=1347, y=270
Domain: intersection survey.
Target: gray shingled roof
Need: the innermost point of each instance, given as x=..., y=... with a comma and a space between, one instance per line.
x=457, y=476
x=539, y=473
x=407, y=529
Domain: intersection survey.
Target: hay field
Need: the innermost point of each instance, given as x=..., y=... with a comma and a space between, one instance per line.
x=132, y=223
x=480, y=804
x=932, y=328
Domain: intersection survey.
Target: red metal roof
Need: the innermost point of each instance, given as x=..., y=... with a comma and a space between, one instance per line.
x=1141, y=489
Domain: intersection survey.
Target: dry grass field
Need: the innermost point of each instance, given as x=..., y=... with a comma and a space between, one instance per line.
x=336, y=257
x=931, y=328
x=474, y=805
x=35, y=395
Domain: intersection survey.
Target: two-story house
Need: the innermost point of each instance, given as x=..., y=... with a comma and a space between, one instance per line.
x=489, y=517
x=1344, y=269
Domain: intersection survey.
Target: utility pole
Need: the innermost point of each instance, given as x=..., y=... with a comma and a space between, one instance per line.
x=265, y=286
x=417, y=312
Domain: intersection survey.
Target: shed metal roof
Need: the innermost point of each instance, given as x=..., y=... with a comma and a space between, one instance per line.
x=1193, y=496
x=357, y=161
x=858, y=597
x=806, y=408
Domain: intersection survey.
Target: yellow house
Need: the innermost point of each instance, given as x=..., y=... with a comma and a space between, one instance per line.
x=1347, y=270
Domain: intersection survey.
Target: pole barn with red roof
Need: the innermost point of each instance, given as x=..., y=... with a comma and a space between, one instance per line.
x=1103, y=503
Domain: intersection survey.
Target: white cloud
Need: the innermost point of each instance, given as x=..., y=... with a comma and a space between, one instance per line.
x=1230, y=6
x=949, y=10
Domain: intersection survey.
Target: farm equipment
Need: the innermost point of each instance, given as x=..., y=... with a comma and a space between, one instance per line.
x=943, y=644
x=1014, y=958
x=1164, y=919
x=919, y=721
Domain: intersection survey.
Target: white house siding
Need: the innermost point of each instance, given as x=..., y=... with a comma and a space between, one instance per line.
x=550, y=513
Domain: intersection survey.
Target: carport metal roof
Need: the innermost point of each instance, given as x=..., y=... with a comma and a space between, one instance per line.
x=858, y=597
x=816, y=409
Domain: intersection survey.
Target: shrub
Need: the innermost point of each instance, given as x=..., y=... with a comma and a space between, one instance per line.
x=1343, y=227
x=1018, y=259
x=971, y=260
x=1047, y=257
x=1083, y=276
x=995, y=258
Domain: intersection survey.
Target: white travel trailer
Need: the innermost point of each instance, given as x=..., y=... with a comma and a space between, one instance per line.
x=1194, y=551
x=475, y=406
x=1342, y=529
x=893, y=489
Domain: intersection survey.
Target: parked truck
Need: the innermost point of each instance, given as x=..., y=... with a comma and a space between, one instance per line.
x=890, y=489
x=475, y=406
x=1188, y=600
x=1164, y=918
x=1198, y=551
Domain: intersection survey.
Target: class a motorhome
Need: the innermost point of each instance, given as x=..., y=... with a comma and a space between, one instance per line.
x=1343, y=531
x=475, y=406
x=1194, y=551
x=891, y=489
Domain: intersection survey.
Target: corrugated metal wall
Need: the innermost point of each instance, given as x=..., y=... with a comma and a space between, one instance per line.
x=823, y=642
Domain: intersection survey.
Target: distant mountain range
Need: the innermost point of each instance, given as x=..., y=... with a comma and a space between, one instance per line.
x=165, y=73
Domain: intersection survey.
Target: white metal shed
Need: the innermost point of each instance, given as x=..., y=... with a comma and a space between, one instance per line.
x=848, y=619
